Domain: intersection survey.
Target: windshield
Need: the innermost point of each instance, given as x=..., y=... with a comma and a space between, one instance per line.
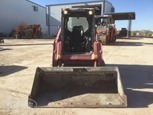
x=74, y=21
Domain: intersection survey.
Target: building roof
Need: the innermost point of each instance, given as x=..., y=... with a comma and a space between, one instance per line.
x=36, y=4
x=122, y=15
x=76, y=3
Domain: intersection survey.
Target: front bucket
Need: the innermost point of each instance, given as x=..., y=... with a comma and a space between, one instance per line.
x=79, y=87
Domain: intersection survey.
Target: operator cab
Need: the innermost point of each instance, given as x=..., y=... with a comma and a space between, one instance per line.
x=101, y=26
x=105, y=21
x=78, y=30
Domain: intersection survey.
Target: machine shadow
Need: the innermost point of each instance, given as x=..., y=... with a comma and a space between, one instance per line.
x=125, y=43
x=131, y=38
x=4, y=49
x=28, y=44
x=72, y=91
x=71, y=95
x=7, y=70
x=148, y=43
x=137, y=80
x=36, y=38
x=142, y=36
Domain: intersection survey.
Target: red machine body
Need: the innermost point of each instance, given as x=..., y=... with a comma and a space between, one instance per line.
x=93, y=59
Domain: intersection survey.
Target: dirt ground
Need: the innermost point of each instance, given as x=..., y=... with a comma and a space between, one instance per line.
x=20, y=57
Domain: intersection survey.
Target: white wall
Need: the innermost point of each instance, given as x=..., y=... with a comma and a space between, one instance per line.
x=13, y=12
x=54, y=14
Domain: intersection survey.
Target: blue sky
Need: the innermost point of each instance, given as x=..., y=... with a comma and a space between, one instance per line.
x=142, y=8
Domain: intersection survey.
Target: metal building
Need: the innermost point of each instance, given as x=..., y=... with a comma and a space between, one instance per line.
x=16, y=12
x=54, y=11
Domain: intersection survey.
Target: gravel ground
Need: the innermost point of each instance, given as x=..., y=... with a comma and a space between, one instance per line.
x=20, y=57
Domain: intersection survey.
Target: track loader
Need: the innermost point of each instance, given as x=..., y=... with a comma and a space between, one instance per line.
x=79, y=77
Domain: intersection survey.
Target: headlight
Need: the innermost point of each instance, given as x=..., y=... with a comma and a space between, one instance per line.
x=90, y=12
x=65, y=12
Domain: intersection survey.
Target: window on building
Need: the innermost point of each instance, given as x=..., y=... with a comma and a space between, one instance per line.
x=35, y=8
